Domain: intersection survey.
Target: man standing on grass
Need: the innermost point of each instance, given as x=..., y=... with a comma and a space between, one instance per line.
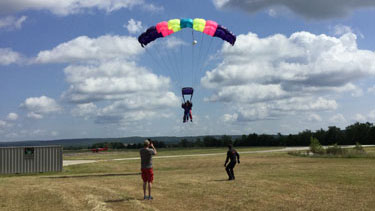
x=146, y=167
x=233, y=155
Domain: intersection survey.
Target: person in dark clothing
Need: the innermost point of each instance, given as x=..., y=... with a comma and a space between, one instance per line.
x=187, y=111
x=233, y=156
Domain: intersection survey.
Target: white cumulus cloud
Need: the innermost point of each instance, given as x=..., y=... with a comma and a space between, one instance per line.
x=302, y=72
x=105, y=81
x=12, y=116
x=317, y=9
x=11, y=22
x=39, y=106
x=134, y=26
x=8, y=56
x=314, y=118
x=85, y=49
x=67, y=7
x=3, y=124
x=338, y=119
x=360, y=118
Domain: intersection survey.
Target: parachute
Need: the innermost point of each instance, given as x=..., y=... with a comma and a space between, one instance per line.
x=177, y=66
x=164, y=29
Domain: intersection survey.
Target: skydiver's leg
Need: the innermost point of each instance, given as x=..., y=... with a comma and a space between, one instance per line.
x=232, y=164
x=191, y=116
x=149, y=190
x=228, y=172
x=186, y=117
x=144, y=190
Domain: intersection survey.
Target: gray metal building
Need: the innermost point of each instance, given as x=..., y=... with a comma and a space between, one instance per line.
x=30, y=159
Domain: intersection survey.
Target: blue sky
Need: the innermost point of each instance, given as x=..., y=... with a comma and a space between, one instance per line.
x=75, y=69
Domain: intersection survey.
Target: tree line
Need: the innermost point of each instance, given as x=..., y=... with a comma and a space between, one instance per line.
x=363, y=133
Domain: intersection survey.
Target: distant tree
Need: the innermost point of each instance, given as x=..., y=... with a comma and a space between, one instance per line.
x=198, y=143
x=226, y=140
x=185, y=143
x=210, y=141
x=252, y=140
x=321, y=135
x=291, y=140
x=303, y=138
x=334, y=135
x=358, y=132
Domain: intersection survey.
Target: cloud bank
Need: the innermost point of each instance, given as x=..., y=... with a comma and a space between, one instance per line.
x=105, y=82
x=317, y=9
x=68, y=7
x=263, y=78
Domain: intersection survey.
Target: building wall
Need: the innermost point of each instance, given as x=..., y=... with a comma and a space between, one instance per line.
x=30, y=159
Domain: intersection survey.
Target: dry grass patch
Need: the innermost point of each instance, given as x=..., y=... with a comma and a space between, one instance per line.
x=263, y=182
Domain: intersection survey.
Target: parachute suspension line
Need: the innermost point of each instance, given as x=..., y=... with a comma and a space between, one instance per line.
x=155, y=61
x=174, y=63
x=205, y=56
x=171, y=64
x=166, y=64
x=192, y=57
x=199, y=60
x=182, y=58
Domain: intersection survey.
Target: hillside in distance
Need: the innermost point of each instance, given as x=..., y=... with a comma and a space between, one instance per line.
x=88, y=142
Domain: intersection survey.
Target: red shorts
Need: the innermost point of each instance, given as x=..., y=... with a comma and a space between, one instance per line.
x=147, y=175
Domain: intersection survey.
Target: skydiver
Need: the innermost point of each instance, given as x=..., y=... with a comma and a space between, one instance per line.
x=232, y=154
x=187, y=106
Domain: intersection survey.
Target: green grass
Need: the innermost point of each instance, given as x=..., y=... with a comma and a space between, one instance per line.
x=369, y=153
x=266, y=181
x=129, y=153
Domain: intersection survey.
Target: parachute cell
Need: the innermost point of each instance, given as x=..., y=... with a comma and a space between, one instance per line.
x=186, y=23
x=162, y=28
x=225, y=34
x=148, y=36
x=198, y=24
x=174, y=24
x=210, y=28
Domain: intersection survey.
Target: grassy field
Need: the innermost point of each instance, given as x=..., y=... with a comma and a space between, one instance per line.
x=129, y=153
x=267, y=181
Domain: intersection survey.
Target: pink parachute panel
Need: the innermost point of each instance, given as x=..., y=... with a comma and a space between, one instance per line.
x=210, y=27
x=162, y=28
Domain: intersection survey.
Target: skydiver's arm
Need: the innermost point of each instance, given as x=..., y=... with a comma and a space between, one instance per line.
x=152, y=146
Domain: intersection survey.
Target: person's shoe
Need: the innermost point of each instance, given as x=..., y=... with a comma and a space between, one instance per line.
x=150, y=198
x=145, y=197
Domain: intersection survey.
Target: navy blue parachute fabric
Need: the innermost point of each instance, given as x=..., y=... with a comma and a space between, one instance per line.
x=225, y=34
x=187, y=91
x=148, y=36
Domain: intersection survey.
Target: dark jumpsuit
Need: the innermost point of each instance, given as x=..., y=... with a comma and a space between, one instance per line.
x=187, y=111
x=232, y=155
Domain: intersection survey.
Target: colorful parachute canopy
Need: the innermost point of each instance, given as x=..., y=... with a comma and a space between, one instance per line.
x=164, y=29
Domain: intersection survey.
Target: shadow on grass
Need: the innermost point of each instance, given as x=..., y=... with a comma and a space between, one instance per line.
x=119, y=200
x=220, y=180
x=91, y=175
x=127, y=199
